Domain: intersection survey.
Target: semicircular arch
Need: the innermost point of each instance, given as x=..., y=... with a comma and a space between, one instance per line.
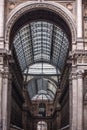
x=64, y=13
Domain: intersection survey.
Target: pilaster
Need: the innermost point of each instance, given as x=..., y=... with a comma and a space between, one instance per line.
x=74, y=102
x=9, y=99
x=1, y=85
x=1, y=23
x=79, y=25
x=79, y=18
x=80, y=99
x=79, y=65
x=70, y=99
x=4, y=79
x=1, y=99
x=5, y=101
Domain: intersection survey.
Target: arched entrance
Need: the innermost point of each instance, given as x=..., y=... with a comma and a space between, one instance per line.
x=50, y=6
x=40, y=34
x=41, y=125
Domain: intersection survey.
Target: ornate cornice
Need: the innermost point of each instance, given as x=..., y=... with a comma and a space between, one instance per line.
x=4, y=52
x=80, y=73
x=78, y=57
x=77, y=74
x=78, y=52
x=4, y=73
x=74, y=76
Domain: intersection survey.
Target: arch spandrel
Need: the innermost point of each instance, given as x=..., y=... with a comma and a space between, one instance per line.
x=29, y=6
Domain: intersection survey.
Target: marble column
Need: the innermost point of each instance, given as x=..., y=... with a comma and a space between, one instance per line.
x=9, y=100
x=4, y=101
x=80, y=100
x=1, y=23
x=79, y=18
x=0, y=100
x=70, y=99
x=74, y=103
x=1, y=45
x=79, y=25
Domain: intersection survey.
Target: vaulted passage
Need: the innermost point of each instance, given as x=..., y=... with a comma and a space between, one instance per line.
x=43, y=65
x=40, y=47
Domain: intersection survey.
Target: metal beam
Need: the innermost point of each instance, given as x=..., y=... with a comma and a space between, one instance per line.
x=60, y=51
x=45, y=95
x=36, y=85
x=31, y=42
x=51, y=92
x=23, y=49
x=51, y=51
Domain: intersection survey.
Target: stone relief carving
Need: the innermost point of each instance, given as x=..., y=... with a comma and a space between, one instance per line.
x=13, y=3
x=68, y=5
x=79, y=57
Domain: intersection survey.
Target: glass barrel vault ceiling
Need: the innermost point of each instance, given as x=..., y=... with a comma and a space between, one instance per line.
x=41, y=43
x=37, y=69
x=41, y=89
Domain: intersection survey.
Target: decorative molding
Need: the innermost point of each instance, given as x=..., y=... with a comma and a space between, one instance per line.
x=77, y=74
x=29, y=6
x=79, y=57
x=74, y=75
x=80, y=73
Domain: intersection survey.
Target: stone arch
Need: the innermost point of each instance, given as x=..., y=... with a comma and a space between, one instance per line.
x=64, y=13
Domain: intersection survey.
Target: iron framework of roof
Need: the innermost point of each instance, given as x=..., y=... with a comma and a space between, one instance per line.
x=41, y=42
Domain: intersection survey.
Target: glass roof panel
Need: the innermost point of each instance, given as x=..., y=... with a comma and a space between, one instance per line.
x=41, y=48
x=41, y=87
x=41, y=41
x=51, y=87
x=42, y=97
x=37, y=69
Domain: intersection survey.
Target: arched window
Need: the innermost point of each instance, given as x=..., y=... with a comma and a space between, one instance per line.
x=41, y=125
x=42, y=109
